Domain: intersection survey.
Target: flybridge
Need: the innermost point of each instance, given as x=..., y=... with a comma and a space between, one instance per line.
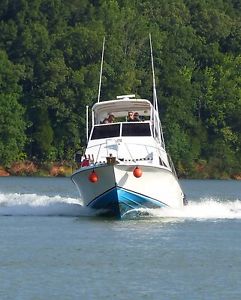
x=128, y=102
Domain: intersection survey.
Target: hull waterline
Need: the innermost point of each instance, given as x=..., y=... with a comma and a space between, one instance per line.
x=117, y=202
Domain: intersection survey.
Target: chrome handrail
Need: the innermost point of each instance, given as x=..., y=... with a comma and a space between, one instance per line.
x=154, y=148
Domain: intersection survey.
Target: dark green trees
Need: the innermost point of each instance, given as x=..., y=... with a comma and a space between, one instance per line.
x=50, y=59
x=12, y=124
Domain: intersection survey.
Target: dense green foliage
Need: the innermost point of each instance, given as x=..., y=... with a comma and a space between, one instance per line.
x=12, y=124
x=49, y=70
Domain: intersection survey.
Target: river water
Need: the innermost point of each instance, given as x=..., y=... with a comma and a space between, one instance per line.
x=53, y=248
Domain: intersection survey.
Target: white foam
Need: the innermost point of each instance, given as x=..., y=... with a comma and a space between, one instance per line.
x=40, y=205
x=207, y=208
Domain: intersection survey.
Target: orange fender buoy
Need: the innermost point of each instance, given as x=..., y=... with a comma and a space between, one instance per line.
x=137, y=172
x=93, y=177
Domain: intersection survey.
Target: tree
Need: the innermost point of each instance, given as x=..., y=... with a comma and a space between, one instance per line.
x=12, y=124
x=43, y=136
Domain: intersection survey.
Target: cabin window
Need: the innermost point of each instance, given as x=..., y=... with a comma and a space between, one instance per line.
x=136, y=129
x=105, y=131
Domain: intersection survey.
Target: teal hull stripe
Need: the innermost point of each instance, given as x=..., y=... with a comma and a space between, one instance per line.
x=117, y=201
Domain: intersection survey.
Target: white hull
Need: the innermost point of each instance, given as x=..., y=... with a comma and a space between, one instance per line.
x=118, y=190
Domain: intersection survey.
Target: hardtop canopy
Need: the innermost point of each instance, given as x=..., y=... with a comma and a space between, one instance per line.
x=120, y=108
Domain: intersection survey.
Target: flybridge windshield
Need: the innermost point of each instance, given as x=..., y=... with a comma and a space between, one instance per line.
x=124, y=129
x=136, y=129
x=105, y=131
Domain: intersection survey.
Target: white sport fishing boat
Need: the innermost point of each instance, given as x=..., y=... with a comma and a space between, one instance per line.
x=125, y=166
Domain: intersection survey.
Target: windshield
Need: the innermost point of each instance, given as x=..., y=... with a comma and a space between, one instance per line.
x=128, y=129
x=136, y=129
x=105, y=131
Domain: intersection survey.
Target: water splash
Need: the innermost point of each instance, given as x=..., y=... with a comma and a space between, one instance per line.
x=40, y=205
x=16, y=204
x=207, y=208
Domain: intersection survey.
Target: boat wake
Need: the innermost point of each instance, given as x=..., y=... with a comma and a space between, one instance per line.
x=204, y=209
x=16, y=204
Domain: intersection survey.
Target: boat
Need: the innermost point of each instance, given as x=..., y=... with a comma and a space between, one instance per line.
x=125, y=166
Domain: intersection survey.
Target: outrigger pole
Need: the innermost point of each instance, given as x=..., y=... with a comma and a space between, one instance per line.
x=87, y=123
x=101, y=67
x=155, y=104
x=153, y=77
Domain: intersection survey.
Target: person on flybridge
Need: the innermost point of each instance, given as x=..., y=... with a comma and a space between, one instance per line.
x=136, y=117
x=133, y=117
x=109, y=119
x=130, y=117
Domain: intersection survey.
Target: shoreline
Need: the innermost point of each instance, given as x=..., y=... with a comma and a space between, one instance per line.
x=31, y=169
x=64, y=169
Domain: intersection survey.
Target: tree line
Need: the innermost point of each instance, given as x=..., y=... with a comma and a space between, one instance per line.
x=50, y=53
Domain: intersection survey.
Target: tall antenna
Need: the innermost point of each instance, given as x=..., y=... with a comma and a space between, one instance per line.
x=155, y=104
x=153, y=77
x=101, y=67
